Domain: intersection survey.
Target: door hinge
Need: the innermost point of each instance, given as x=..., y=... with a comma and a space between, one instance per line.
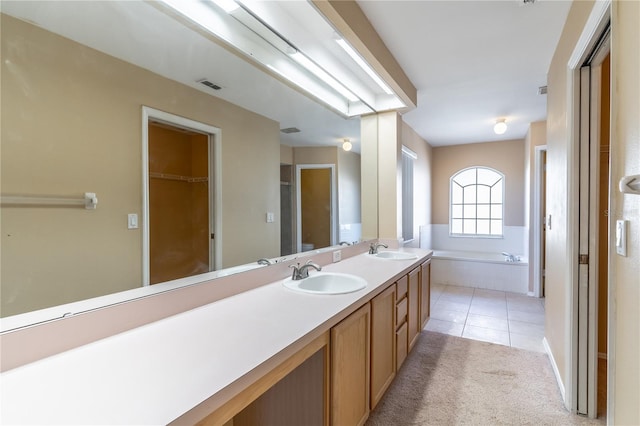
x=583, y=259
x=213, y=236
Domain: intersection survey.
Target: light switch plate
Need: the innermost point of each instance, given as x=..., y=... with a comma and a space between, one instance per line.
x=337, y=256
x=270, y=217
x=132, y=221
x=621, y=237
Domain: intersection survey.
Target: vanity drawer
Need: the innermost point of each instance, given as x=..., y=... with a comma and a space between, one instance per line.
x=402, y=284
x=401, y=311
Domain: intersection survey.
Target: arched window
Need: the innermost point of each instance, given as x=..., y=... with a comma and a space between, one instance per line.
x=477, y=201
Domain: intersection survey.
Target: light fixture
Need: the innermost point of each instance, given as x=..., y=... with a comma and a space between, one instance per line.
x=322, y=75
x=362, y=64
x=500, y=126
x=227, y=5
x=346, y=145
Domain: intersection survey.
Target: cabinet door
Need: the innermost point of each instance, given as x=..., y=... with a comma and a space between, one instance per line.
x=401, y=345
x=383, y=336
x=413, y=314
x=425, y=292
x=350, y=369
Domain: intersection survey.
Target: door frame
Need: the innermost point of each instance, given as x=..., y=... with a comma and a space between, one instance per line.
x=581, y=304
x=215, y=188
x=333, y=199
x=538, y=219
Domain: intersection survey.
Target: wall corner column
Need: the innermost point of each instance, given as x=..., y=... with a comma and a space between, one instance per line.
x=381, y=179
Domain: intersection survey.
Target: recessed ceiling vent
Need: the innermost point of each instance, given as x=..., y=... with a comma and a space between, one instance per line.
x=290, y=130
x=209, y=84
x=542, y=90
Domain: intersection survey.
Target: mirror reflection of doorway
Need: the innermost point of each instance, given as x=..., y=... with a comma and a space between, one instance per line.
x=316, y=216
x=181, y=197
x=179, y=237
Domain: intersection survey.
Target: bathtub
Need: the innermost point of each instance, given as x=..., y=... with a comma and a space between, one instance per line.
x=479, y=270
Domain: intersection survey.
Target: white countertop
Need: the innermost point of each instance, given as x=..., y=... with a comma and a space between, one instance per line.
x=155, y=373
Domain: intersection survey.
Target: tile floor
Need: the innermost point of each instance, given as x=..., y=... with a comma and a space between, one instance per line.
x=500, y=317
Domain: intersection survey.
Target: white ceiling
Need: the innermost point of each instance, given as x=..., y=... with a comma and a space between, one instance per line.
x=472, y=62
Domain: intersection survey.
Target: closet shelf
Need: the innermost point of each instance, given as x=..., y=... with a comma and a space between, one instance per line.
x=166, y=176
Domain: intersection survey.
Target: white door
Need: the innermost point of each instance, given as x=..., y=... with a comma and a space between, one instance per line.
x=588, y=238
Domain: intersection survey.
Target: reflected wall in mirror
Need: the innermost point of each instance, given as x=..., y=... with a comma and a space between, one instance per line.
x=72, y=123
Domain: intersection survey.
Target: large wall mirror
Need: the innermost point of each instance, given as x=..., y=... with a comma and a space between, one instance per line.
x=78, y=80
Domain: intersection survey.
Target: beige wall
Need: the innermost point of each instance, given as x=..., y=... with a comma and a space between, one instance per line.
x=70, y=127
x=536, y=136
x=625, y=155
x=421, y=179
x=506, y=157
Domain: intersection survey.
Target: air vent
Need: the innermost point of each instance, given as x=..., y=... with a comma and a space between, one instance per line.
x=209, y=84
x=542, y=90
x=290, y=130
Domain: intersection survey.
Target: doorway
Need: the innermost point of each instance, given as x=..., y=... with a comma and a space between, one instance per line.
x=179, y=191
x=539, y=220
x=591, y=226
x=316, y=206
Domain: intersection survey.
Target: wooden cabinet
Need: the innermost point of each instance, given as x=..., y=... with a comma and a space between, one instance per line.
x=425, y=292
x=383, y=343
x=402, y=344
x=413, y=309
x=350, y=352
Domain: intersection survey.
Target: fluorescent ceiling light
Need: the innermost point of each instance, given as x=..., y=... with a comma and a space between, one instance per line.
x=227, y=5
x=323, y=75
x=356, y=57
x=240, y=32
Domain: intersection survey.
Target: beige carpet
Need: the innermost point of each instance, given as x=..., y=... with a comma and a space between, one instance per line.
x=449, y=380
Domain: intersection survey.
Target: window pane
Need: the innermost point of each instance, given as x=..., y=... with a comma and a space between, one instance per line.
x=477, y=202
x=483, y=227
x=496, y=227
x=469, y=226
x=484, y=193
x=487, y=177
x=466, y=177
x=469, y=211
x=496, y=193
x=496, y=211
x=483, y=211
x=456, y=193
x=470, y=194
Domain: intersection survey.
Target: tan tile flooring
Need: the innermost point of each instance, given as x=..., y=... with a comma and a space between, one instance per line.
x=500, y=317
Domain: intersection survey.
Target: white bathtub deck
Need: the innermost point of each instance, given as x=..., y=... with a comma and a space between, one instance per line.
x=479, y=270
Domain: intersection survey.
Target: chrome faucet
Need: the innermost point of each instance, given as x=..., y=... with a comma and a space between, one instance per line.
x=345, y=243
x=373, y=248
x=509, y=257
x=302, y=272
x=264, y=261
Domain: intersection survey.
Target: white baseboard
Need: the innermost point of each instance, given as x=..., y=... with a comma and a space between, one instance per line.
x=556, y=372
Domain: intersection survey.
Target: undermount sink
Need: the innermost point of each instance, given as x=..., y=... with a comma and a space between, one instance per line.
x=395, y=255
x=326, y=283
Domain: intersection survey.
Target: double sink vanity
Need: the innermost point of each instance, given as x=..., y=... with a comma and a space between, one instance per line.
x=318, y=350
